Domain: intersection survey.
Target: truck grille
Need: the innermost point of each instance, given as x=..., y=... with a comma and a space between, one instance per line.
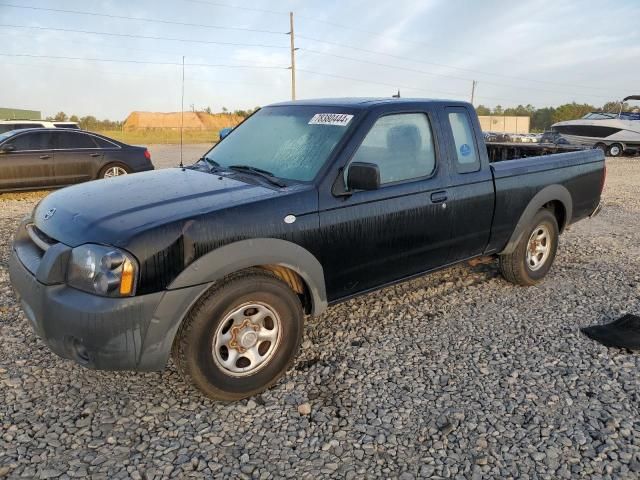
x=31, y=244
x=39, y=238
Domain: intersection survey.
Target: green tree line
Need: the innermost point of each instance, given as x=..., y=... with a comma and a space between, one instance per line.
x=543, y=118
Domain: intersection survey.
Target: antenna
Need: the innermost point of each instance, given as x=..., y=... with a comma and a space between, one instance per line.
x=182, y=113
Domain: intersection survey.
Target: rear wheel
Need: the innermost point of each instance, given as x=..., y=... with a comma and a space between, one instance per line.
x=615, y=150
x=241, y=337
x=531, y=260
x=113, y=170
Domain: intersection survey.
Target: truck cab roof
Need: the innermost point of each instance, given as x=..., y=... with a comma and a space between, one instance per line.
x=364, y=103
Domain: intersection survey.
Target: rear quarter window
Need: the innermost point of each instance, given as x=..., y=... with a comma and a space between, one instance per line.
x=102, y=143
x=467, y=158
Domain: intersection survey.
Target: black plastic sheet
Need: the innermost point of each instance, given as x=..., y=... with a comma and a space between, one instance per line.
x=621, y=333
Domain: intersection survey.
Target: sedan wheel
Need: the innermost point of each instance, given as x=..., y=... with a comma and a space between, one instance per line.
x=114, y=171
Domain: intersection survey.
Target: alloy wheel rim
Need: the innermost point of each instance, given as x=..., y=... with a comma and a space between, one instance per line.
x=538, y=247
x=114, y=172
x=247, y=338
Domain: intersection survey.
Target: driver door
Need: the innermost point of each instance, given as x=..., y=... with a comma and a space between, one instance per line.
x=375, y=237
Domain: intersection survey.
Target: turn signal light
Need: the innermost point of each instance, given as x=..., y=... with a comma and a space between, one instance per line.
x=126, y=280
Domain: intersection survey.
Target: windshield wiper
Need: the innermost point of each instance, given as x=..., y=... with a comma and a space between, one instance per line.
x=212, y=164
x=260, y=172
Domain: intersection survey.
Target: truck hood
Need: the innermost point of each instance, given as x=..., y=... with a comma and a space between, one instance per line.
x=114, y=210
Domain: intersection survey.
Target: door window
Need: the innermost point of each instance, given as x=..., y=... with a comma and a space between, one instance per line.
x=467, y=159
x=401, y=145
x=32, y=141
x=71, y=140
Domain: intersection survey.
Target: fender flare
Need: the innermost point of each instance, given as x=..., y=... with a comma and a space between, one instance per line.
x=236, y=256
x=197, y=278
x=548, y=194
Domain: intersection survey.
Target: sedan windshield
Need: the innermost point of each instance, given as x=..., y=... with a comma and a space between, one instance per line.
x=290, y=142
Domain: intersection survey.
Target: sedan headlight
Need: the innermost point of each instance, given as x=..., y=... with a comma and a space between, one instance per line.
x=105, y=271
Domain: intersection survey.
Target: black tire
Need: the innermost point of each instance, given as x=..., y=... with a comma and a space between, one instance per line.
x=105, y=169
x=516, y=268
x=193, y=348
x=615, y=150
x=601, y=146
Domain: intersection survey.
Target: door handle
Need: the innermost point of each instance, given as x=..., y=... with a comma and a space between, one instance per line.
x=94, y=155
x=438, y=197
x=44, y=157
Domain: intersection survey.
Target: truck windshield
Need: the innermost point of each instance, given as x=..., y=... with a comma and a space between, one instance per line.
x=290, y=142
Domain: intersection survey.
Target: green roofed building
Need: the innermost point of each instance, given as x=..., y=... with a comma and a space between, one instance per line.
x=19, y=114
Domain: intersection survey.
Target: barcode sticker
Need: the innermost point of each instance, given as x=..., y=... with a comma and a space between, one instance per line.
x=338, y=119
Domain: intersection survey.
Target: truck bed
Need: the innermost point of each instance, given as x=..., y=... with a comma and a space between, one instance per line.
x=519, y=181
x=500, y=151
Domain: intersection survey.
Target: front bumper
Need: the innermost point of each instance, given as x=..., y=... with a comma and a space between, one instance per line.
x=96, y=332
x=134, y=333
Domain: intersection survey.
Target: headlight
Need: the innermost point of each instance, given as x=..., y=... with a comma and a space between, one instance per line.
x=105, y=271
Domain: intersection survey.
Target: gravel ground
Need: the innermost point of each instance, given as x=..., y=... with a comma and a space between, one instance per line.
x=457, y=374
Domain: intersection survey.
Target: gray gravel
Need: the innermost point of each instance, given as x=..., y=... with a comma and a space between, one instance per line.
x=457, y=374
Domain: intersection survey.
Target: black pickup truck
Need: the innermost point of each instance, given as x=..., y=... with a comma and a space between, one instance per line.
x=303, y=205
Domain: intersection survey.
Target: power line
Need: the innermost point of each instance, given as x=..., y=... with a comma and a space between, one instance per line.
x=393, y=85
x=402, y=40
x=370, y=62
x=195, y=80
x=144, y=37
x=317, y=52
x=143, y=62
x=70, y=41
x=408, y=69
x=141, y=19
x=238, y=7
x=439, y=64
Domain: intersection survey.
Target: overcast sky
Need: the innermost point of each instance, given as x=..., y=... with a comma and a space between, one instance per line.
x=540, y=52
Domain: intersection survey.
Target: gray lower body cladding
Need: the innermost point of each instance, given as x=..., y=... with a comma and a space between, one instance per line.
x=133, y=333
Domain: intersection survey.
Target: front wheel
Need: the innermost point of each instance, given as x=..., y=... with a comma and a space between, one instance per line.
x=531, y=260
x=241, y=337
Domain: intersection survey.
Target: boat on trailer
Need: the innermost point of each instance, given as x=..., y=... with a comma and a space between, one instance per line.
x=615, y=133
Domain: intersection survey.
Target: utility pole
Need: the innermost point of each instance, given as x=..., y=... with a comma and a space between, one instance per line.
x=293, y=58
x=473, y=90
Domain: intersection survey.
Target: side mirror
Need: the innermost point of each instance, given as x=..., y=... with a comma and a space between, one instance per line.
x=363, y=176
x=8, y=148
x=224, y=132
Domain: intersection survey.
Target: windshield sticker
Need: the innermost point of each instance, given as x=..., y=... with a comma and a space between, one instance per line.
x=465, y=149
x=338, y=119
